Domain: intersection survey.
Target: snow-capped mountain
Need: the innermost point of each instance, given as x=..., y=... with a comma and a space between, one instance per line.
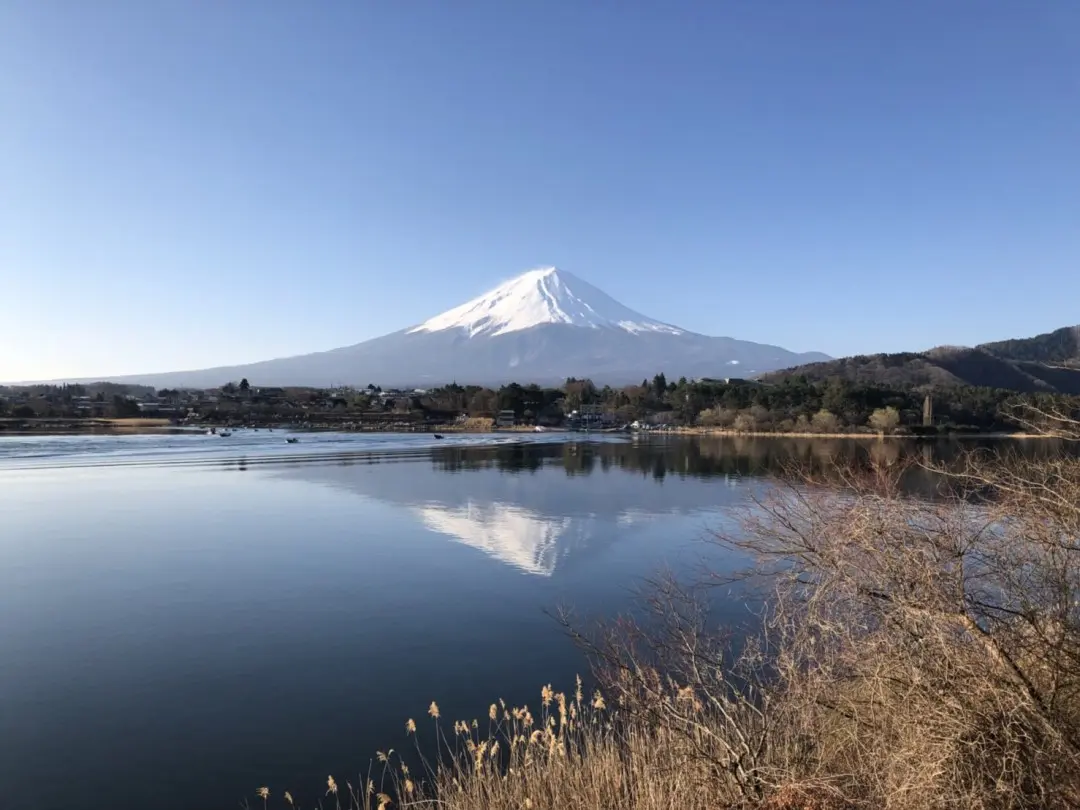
x=542, y=326
x=540, y=297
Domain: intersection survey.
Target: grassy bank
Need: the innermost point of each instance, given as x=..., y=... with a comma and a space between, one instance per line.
x=63, y=425
x=135, y=422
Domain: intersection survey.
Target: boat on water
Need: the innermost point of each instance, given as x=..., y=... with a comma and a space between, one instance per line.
x=292, y=440
x=438, y=435
x=225, y=434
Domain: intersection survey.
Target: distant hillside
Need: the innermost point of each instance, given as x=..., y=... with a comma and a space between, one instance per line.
x=1047, y=363
x=1060, y=347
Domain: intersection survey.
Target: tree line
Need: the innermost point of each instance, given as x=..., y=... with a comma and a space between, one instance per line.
x=795, y=404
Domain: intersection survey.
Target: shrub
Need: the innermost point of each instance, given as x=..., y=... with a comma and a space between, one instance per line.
x=825, y=422
x=885, y=420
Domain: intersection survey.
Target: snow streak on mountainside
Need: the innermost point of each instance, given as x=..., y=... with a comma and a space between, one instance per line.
x=542, y=296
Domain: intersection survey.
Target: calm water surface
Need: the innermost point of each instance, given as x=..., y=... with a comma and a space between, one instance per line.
x=186, y=618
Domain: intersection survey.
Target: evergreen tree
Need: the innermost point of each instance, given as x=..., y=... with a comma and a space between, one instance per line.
x=659, y=384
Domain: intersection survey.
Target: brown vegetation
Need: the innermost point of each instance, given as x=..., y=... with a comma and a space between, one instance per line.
x=915, y=653
x=135, y=422
x=478, y=424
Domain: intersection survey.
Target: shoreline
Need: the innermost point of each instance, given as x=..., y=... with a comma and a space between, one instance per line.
x=852, y=435
x=77, y=427
x=72, y=427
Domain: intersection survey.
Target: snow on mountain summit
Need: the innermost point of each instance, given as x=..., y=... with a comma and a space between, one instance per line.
x=542, y=296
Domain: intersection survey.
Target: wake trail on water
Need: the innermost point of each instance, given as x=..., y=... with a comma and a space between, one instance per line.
x=153, y=450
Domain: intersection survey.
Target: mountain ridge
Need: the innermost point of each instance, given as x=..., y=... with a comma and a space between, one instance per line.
x=1045, y=363
x=542, y=326
x=1061, y=345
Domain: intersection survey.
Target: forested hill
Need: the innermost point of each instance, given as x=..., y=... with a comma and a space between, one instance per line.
x=1047, y=363
x=1060, y=347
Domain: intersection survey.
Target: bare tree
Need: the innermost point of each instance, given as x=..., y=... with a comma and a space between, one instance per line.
x=932, y=647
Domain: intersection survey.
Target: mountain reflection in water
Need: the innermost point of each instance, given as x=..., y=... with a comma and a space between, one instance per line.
x=493, y=501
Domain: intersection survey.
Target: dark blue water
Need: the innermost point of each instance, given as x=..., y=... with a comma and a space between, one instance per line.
x=184, y=619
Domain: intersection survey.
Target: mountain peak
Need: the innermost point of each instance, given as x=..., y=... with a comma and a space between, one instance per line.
x=545, y=295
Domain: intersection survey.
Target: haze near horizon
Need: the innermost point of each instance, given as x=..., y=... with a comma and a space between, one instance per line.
x=201, y=186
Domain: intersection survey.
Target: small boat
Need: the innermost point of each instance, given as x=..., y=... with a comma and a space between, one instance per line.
x=437, y=435
x=225, y=434
x=292, y=440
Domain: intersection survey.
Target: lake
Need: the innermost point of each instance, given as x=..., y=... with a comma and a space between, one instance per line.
x=186, y=617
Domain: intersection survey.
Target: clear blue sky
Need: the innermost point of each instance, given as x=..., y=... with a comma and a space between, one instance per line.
x=185, y=184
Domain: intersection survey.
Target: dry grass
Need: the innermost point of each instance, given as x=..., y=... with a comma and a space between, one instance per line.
x=474, y=424
x=135, y=423
x=91, y=422
x=574, y=752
